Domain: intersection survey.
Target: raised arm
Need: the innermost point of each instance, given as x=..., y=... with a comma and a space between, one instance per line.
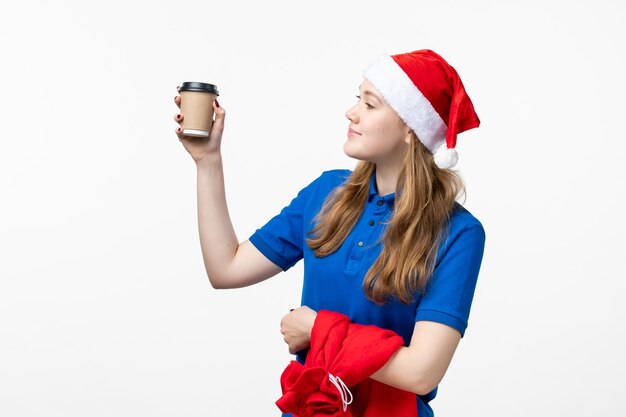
x=228, y=264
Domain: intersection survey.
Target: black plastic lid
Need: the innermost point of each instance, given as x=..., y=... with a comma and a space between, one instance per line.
x=200, y=87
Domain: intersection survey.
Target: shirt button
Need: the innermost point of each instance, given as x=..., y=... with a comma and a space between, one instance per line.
x=360, y=243
x=380, y=202
x=371, y=223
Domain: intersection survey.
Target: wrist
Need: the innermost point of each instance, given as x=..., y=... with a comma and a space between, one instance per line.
x=209, y=160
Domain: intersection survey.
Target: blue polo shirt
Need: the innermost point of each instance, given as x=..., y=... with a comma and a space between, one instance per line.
x=334, y=282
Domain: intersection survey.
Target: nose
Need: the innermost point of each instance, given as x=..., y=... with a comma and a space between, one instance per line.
x=352, y=115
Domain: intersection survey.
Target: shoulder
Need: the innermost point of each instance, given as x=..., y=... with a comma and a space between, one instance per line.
x=316, y=191
x=328, y=180
x=335, y=177
x=461, y=219
x=463, y=227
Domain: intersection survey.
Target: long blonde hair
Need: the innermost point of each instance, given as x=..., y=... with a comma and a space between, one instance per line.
x=424, y=200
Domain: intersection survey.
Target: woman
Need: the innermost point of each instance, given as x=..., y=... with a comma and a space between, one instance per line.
x=386, y=245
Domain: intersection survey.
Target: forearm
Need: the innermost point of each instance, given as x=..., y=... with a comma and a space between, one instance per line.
x=405, y=371
x=217, y=236
x=420, y=367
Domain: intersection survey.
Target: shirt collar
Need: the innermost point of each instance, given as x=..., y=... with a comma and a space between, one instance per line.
x=389, y=198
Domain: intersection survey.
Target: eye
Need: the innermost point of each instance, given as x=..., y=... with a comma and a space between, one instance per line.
x=369, y=106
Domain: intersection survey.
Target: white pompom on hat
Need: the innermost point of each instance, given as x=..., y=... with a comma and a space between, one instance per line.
x=427, y=93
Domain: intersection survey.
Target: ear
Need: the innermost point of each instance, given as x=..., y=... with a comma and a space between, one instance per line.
x=408, y=138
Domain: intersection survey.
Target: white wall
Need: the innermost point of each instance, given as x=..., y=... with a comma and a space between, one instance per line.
x=105, y=309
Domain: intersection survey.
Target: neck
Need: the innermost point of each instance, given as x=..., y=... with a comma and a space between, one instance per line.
x=386, y=179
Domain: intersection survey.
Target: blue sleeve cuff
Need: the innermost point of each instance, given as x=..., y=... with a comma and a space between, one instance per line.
x=440, y=317
x=268, y=252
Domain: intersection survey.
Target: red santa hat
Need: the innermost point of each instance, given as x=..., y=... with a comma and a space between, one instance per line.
x=427, y=93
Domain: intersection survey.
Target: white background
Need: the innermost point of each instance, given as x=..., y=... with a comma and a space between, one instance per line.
x=105, y=307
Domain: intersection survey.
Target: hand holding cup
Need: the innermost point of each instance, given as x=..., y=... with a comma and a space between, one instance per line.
x=198, y=132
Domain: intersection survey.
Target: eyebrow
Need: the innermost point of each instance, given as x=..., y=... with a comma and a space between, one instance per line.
x=370, y=93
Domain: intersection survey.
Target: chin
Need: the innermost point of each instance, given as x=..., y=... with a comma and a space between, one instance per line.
x=348, y=151
x=353, y=155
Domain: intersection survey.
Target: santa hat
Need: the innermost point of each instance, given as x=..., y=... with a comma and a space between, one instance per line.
x=427, y=93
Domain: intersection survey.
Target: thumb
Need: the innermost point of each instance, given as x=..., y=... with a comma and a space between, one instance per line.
x=218, y=110
x=220, y=115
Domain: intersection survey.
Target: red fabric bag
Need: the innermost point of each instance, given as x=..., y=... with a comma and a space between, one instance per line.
x=335, y=379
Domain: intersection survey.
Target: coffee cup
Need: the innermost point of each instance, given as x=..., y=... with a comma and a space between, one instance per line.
x=196, y=106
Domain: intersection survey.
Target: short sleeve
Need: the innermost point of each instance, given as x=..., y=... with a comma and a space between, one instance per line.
x=281, y=239
x=449, y=294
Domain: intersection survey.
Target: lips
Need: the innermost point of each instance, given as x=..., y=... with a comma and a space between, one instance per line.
x=352, y=131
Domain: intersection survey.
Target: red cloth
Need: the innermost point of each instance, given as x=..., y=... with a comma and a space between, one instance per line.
x=351, y=352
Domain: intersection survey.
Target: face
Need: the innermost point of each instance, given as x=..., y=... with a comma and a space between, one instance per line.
x=376, y=132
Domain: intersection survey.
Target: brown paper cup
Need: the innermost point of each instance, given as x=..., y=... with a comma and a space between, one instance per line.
x=196, y=106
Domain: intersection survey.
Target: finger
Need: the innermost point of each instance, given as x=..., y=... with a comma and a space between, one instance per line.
x=179, y=133
x=178, y=118
x=177, y=101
